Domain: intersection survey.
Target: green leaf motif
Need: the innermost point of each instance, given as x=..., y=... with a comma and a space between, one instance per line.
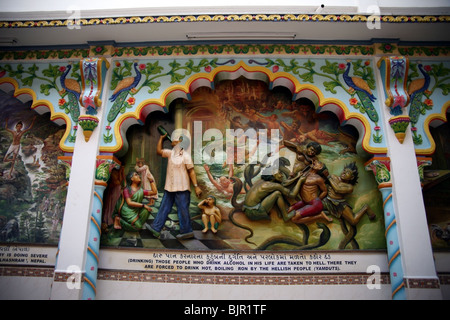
x=102, y=172
x=51, y=71
x=154, y=86
x=330, y=85
x=153, y=68
x=331, y=68
x=445, y=87
x=308, y=76
x=45, y=88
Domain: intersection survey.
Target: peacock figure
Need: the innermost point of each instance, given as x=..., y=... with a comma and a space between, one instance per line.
x=73, y=90
x=124, y=87
x=416, y=89
x=363, y=91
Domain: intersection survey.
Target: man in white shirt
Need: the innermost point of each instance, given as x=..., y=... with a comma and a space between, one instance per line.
x=180, y=173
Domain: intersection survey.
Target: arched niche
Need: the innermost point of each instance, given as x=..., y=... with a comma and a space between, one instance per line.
x=434, y=120
x=436, y=177
x=241, y=69
x=182, y=98
x=41, y=106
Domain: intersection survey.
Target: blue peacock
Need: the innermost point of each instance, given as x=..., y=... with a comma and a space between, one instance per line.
x=416, y=89
x=73, y=90
x=121, y=92
x=364, y=93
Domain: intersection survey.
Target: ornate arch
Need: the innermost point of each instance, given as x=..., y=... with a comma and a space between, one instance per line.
x=209, y=72
x=434, y=118
x=41, y=106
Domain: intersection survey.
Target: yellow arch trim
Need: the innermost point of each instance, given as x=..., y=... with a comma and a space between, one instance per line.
x=347, y=115
x=45, y=103
x=184, y=90
x=426, y=126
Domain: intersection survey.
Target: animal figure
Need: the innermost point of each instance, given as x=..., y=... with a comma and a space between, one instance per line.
x=358, y=84
x=126, y=84
x=73, y=89
x=300, y=244
x=124, y=87
x=363, y=92
x=415, y=90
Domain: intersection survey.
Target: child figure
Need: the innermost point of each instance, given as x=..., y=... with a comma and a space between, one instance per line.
x=148, y=181
x=210, y=213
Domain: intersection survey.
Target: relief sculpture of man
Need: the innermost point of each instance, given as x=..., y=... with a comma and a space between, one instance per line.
x=180, y=173
x=312, y=192
x=339, y=188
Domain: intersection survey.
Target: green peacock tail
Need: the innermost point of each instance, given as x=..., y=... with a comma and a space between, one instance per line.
x=117, y=106
x=414, y=110
x=368, y=106
x=74, y=107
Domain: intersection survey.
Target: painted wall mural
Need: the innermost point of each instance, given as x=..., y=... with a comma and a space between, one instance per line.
x=332, y=101
x=69, y=92
x=51, y=87
x=32, y=183
x=245, y=204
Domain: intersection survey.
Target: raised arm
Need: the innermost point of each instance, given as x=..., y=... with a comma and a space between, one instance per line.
x=31, y=125
x=6, y=126
x=159, y=146
x=211, y=178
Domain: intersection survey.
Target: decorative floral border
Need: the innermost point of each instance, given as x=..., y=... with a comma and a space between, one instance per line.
x=44, y=54
x=220, y=17
x=244, y=49
x=225, y=49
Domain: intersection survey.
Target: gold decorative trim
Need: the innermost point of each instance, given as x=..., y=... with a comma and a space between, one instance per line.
x=230, y=17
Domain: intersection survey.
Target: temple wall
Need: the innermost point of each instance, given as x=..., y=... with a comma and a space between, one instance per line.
x=60, y=243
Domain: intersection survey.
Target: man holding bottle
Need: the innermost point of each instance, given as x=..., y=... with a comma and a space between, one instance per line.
x=180, y=173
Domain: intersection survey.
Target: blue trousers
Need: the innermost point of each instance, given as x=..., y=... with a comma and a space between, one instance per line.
x=182, y=200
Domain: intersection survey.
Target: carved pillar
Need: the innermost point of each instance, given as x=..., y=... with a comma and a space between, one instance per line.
x=105, y=164
x=74, y=264
x=381, y=170
x=410, y=214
